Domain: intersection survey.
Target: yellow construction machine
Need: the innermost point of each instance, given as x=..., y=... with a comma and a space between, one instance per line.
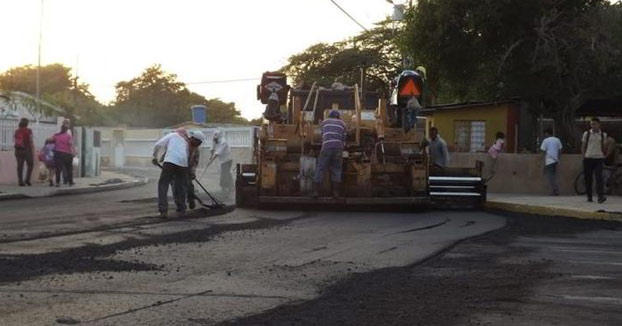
x=385, y=162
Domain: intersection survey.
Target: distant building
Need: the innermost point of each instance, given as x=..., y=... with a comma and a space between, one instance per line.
x=16, y=105
x=472, y=126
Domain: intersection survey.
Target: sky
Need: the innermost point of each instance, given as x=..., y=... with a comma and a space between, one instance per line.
x=107, y=41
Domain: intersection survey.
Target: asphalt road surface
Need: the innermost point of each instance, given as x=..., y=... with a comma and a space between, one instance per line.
x=97, y=259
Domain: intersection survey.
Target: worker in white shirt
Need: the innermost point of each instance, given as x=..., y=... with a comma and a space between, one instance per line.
x=222, y=152
x=174, y=168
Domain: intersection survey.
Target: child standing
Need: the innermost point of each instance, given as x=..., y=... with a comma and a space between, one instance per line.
x=47, y=157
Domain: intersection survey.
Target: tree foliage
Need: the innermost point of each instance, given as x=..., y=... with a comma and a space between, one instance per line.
x=554, y=54
x=58, y=87
x=341, y=61
x=157, y=99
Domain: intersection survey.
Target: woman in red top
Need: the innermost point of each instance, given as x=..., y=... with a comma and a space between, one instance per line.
x=24, y=151
x=63, y=155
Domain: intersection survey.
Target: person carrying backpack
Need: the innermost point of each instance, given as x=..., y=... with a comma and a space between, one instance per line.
x=594, y=153
x=46, y=155
x=24, y=152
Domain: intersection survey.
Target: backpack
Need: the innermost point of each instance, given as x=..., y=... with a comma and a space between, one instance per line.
x=20, y=141
x=602, y=141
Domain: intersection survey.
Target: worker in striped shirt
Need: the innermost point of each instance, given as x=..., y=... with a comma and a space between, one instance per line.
x=331, y=155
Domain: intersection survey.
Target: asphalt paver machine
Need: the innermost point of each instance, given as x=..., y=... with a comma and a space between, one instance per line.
x=385, y=162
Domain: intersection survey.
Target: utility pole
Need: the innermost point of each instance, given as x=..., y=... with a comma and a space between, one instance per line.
x=39, y=60
x=75, y=96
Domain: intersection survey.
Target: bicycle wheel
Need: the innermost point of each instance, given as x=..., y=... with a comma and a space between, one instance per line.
x=579, y=184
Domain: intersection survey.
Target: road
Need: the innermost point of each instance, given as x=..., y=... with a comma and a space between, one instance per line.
x=97, y=260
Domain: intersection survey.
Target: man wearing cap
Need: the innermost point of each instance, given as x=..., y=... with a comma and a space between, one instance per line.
x=222, y=152
x=174, y=168
x=195, y=141
x=334, y=132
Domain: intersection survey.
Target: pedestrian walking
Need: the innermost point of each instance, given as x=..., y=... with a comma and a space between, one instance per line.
x=24, y=152
x=196, y=139
x=552, y=150
x=222, y=152
x=334, y=132
x=594, y=153
x=497, y=148
x=174, y=169
x=437, y=147
x=46, y=155
x=64, y=152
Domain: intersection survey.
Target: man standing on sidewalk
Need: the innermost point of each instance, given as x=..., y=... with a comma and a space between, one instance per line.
x=175, y=168
x=331, y=155
x=552, y=149
x=594, y=153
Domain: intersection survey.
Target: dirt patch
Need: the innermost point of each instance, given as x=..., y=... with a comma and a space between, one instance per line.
x=481, y=274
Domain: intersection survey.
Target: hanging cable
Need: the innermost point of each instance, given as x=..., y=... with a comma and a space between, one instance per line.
x=347, y=14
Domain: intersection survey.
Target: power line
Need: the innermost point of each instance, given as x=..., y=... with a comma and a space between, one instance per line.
x=347, y=14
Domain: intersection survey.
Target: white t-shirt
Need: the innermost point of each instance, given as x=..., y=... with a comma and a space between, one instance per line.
x=594, y=148
x=552, y=146
x=223, y=151
x=176, y=149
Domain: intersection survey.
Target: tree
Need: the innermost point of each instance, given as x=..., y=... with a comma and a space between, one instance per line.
x=58, y=87
x=341, y=61
x=554, y=54
x=157, y=99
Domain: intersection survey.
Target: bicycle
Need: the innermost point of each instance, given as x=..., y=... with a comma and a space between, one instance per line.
x=612, y=178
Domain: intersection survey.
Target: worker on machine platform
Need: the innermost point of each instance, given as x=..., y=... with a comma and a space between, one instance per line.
x=334, y=132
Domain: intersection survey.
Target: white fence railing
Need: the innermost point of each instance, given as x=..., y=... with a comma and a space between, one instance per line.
x=237, y=137
x=40, y=131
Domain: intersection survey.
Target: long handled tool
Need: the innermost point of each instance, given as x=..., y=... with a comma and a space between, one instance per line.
x=216, y=204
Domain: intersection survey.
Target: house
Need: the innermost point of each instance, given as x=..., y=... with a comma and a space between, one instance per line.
x=472, y=126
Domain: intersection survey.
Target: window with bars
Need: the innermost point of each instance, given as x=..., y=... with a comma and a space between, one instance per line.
x=470, y=136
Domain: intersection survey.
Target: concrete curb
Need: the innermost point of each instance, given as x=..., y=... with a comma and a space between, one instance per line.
x=109, y=187
x=552, y=211
x=76, y=191
x=13, y=196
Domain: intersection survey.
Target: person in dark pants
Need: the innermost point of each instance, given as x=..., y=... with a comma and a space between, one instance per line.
x=63, y=155
x=196, y=139
x=24, y=152
x=594, y=153
x=552, y=150
x=334, y=132
x=175, y=169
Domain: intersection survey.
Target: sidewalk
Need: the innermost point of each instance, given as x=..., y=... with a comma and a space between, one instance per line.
x=104, y=182
x=566, y=206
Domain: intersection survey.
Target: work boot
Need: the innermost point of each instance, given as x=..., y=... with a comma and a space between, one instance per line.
x=192, y=204
x=336, y=193
x=315, y=193
x=163, y=215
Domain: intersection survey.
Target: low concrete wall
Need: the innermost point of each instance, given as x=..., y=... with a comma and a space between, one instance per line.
x=522, y=173
x=8, y=168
